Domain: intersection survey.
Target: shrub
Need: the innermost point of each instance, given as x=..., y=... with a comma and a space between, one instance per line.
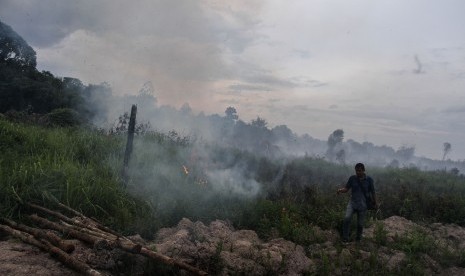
x=64, y=117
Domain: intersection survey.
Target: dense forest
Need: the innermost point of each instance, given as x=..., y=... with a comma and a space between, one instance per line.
x=63, y=140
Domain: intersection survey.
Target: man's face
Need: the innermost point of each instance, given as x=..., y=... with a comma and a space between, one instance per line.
x=359, y=172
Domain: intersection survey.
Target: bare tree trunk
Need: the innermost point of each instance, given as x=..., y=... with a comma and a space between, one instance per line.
x=127, y=154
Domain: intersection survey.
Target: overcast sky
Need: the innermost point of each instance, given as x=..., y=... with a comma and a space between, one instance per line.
x=389, y=72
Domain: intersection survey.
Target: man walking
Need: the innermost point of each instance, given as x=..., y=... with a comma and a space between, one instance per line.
x=362, y=188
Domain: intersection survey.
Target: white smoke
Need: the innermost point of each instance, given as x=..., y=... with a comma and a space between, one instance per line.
x=233, y=181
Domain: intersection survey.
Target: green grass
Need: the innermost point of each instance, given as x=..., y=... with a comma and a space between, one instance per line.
x=81, y=167
x=78, y=167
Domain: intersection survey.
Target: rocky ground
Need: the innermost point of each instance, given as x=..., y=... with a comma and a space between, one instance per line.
x=221, y=250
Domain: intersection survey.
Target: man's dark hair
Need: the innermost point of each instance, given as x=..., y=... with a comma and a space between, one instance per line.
x=360, y=166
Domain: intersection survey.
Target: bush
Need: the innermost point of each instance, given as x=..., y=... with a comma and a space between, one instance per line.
x=64, y=117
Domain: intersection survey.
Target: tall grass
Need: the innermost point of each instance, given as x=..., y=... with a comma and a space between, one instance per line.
x=433, y=196
x=169, y=180
x=78, y=167
x=81, y=168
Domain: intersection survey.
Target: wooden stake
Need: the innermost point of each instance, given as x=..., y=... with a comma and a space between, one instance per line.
x=127, y=154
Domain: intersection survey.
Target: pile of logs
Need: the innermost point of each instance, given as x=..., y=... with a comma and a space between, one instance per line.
x=85, y=229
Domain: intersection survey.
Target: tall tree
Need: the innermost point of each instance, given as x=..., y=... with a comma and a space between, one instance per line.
x=334, y=140
x=146, y=98
x=231, y=113
x=259, y=122
x=14, y=49
x=283, y=133
x=406, y=152
x=447, y=147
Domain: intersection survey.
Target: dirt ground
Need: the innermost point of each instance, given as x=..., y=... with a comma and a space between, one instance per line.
x=18, y=258
x=222, y=250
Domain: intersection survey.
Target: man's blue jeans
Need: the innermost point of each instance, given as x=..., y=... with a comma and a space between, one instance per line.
x=347, y=219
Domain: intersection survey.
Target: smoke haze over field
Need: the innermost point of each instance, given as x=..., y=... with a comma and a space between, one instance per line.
x=388, y=72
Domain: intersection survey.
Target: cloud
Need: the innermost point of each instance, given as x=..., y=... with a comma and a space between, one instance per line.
x=304, y=54
x=454, y=109
x=358, y=57
x=269, y=79
x=316, y=83
x=185, y=48
x=419, y=66
x=249, y=87
x=46, y=22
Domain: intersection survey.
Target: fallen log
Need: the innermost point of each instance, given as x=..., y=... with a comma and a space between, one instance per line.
x=90, y=239
x=55, y=226
x=52, y=250
x=41, y=234
x=126, y=245
x=64, y=218
x=96, y=222
x=99, y=234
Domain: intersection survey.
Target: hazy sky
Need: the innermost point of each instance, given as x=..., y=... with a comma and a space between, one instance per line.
x=390, y=72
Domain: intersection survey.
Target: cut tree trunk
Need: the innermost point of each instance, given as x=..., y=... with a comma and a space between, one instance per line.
x=128, y=246
x=52, y=250
x=90, y=231
x=42, y=234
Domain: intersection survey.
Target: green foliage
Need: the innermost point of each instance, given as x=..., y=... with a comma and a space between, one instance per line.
x=415, y=242
x=434, y=196
x=171, y=178
x=64, y=117
x=325, y=265
x=13, y=48
x=448, y=257
x=380, y=234
x=24, y=88
x=64, y=164
x=122, y=126
x=283, y=218
x=216, y=264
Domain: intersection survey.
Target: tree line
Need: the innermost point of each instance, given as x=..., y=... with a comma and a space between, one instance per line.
x=25, y=89
x=68, y=101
